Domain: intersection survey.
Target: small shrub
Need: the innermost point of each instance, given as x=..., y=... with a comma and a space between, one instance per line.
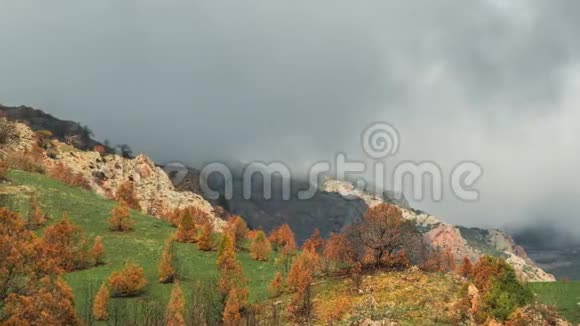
x=101, y=303
x=25, y=161
x=129, y=281
x=121, y=220
x=276, y=286
x=174, y=314
x=3, y=170
x=205, y=242
x=260, y=248
x=166, y=270
x=126, y=193
x=186, y=231
x=501, y=291
x=98, y=251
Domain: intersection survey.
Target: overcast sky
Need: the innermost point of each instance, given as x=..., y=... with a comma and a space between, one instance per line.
x=497, y=82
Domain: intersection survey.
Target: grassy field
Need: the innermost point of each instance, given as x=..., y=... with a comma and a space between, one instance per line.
x=565, y=296
x=143, y=246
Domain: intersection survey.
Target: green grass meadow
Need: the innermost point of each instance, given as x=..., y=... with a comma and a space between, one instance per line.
x=565, y=296
x=143, y=246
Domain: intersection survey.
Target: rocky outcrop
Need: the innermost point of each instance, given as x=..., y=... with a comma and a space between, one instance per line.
x=154, y=191
x=105, y=173
x=64, y=130
x=462, y=242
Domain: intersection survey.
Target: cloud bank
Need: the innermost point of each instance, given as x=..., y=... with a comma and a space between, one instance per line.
x=496, y=82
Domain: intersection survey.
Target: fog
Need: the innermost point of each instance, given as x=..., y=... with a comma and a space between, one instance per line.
x=495, y=82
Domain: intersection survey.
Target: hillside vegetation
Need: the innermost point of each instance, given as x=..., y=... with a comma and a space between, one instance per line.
x=408, y=297
x=143, y=246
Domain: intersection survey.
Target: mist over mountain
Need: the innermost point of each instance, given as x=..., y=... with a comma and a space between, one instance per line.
x=486, y=81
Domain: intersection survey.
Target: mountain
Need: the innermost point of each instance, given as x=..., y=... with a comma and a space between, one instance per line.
x=70, y=132
x=554, y=250
x=338, y=204
x=335, y=205
x=105, y=173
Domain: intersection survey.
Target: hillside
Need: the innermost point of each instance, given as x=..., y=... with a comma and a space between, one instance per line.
x=335, y=205
x=143, y=245
x=410, y=297
x=66, y=131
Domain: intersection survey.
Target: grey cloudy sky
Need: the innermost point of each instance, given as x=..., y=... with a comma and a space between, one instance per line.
x=492, y=81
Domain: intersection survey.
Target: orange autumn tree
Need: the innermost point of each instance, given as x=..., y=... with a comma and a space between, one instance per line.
x=283, y=237
x=36, y=218
x=300, y=280
x=98, y=251
x=175, y=312
x=276, y=286
x=231, y=272
x=120, y=220
x=260, y=248
x=49, y=301
x=101, y=303
x=382, y=233
x=205, y=242
x=186, y=232
x=26, y=271
x=283, y=241
x=238, y=229
x=126, y=193
x=129, y=281
x=314, y=243
x=66, y=245
x=466, y=267
x=231, y=316
x=338, y=252
x=166, y=270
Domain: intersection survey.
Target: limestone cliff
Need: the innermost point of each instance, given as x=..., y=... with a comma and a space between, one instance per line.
x=104, y=173
x=462, y=242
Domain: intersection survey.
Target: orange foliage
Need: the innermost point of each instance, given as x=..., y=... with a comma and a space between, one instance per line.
x=126, y=193
x=120, y=219
x=486, y=270
x=238, y=229
x=205, y=242
x=466, y=267
x=276, y=286
x=231, y=316
x=260, y=248
x=383, y=232
x=283, y=237
x=186, y=232
x=101, y=303
x=175, y=312
x=338, y=250
x=100, y=149
x=29, y=161
x=65, y=175
x=198, y=216
x=302, y=270
x=48, y=302
x=314, y=243
x=129, y=281
x=98, y=251
x=22, y=256
x=166, y=270
x=66, y=246
x=231, y=272
x=36, y=218
x=335, y=310
x=3, y=170
x=440, y=261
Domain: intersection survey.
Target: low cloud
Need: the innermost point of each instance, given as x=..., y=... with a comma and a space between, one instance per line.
x=493, y=81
